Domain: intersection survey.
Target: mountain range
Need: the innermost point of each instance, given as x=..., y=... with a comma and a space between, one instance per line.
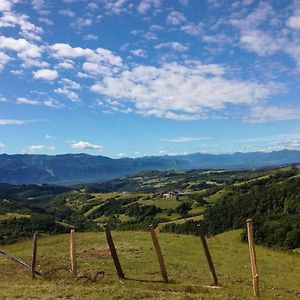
x=84, y=168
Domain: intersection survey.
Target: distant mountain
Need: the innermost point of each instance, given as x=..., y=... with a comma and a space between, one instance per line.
x=80, y=168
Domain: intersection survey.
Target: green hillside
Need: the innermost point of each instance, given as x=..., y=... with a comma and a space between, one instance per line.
x=187, y=270
x=219, y=200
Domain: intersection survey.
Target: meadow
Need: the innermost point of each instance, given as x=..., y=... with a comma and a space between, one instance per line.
x=279, y=270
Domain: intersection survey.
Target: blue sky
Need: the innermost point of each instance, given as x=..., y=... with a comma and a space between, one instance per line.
x=149, y=77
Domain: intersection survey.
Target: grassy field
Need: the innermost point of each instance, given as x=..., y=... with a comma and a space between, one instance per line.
x=187, y=270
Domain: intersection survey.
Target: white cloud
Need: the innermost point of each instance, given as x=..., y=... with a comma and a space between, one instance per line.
x=184, y=139
x=183, y=92
x=265, y=114
x=2, y=99
x=92, y=6
x=172, y=45
x=90, y=37
x=4, y=59
x=17, y=72
x=86, y=146
x=2, y=145
x=175, y=18
x=27, y=29
x=70, y=84
x=40, y=147
x=82, y=22
x=68, y=65
x=260, y=42
x=46, y=21
x=48, y=136
x=45, y=74
x=146, y=5
x=193, y=29
x=28, y=52
x=100, y=55
x=116, y=6
x=26, y=101
x=67, y=13
x=120, y=155
x=13, y=122
x=294, y=22
x=139, y=52
x=91, y=67
x=5, y=5
x=68, y=93
x=40, y=6
x=52, y=103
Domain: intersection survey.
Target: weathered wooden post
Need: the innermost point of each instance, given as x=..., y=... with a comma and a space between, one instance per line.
x=252, y=258
x=113, y=252
x=208, y=257
x=18, y=261
x=34, y=254
x=73, y=253
x=159, y=254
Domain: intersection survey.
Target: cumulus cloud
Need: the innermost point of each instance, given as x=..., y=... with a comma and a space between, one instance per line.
x=175, y=18
x=2, y=98
x=139, y=52
x=183, y=92
x=90, y=37
x=294, y=22
x=5, y=5
x=73, y=96
x=40, y=147
x=99, y=55
x=2, y=145
x=40, y=6
x=146, y=5
x=116, y=7
x=26, y=101
x=260, y=42
x=4, y=59
x=67, y=13
x=86, y=146
x=172, y=45
x=27, y=29
x=45, y=74
x=26, y=51
x=82, y=22
x=193, y=29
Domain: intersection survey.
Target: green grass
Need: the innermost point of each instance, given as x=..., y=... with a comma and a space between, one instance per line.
x=187, y=270
x=10, y=215
x=215, y=197
x=163, y=203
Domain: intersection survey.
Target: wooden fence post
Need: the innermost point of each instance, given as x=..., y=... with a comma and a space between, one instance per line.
x=208, y=258
x=113, y=252
x=73, y=253
x=159, y=254
x=34, y=254
x=18, y=261
x=255, y=280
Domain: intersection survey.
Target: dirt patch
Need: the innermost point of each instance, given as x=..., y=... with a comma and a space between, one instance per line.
x=95, y=252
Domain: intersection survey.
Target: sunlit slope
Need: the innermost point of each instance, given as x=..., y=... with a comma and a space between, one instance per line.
x=187, y=270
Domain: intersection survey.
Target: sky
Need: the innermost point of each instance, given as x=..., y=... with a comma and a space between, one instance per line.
x=149, y=77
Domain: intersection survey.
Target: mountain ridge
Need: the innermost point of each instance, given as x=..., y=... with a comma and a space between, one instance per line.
x=84, y=168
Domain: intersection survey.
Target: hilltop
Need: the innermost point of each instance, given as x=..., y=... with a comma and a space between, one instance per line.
x=83, y=168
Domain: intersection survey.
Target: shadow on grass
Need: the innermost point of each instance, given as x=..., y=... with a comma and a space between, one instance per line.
x=149, y=281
